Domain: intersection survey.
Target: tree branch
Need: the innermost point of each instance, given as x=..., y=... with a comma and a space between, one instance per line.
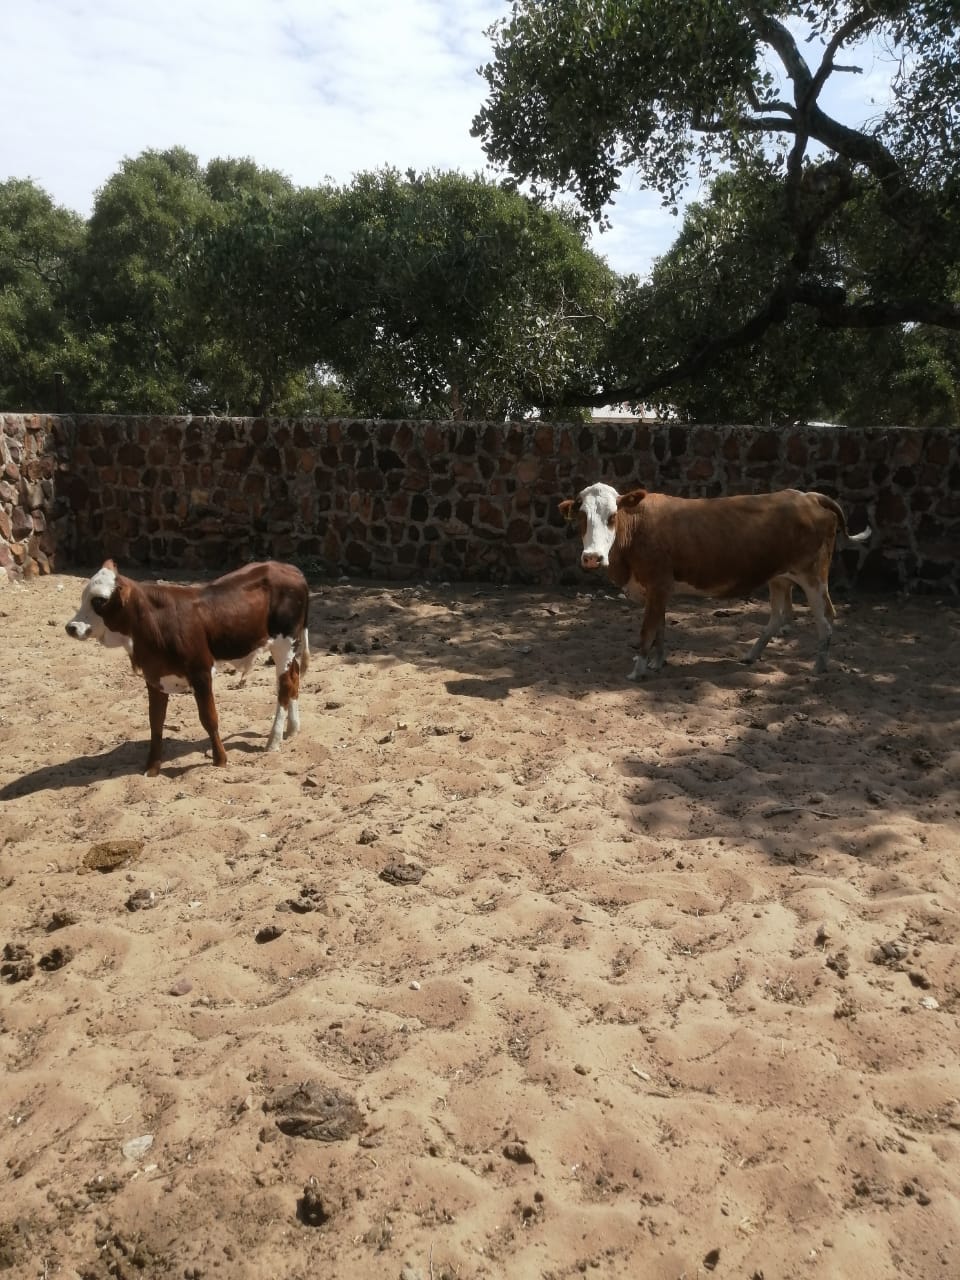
x=749, y=124
x=836, y=313
x=855, y=23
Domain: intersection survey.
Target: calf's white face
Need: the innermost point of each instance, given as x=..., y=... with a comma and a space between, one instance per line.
x=598, y=507
x=86, y=622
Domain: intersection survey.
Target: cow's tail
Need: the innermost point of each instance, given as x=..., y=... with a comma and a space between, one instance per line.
x=837, y=510
x=303, y=653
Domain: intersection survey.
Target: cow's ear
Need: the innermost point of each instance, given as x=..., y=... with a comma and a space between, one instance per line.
x=567, y=508
x=630, y=501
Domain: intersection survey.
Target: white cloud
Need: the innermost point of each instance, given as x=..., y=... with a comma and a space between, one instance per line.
x=315, y=88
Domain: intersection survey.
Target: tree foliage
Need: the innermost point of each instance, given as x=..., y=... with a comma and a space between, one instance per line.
x=468, y=299
x=39, y=243
x=227, y=289
x=580, y=91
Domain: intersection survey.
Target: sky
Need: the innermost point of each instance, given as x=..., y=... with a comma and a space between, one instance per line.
x=319, y=89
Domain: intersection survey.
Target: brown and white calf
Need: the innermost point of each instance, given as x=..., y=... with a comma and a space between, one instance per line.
x=175, y=635
x=724, y=547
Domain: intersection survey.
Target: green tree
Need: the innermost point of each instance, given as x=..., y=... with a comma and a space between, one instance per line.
x=425, y=295
x=582, y=90
x=718, y=270
x=39, y=242
x=270, y=276
x=469, y=299
x=131, y=305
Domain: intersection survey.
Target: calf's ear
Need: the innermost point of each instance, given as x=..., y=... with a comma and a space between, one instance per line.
x=630, y=501
x=566, y=508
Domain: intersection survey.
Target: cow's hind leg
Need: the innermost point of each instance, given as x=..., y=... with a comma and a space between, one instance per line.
x=158, y=714
x=821, y=607
x=286, y=720
x=781, y=615
x=202, y=686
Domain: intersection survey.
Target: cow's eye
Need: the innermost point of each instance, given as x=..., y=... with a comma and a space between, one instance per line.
x=611, y=520
x=98, y=604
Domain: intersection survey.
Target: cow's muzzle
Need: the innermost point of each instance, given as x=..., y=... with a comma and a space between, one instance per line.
x=592, y=560
x=78, y=630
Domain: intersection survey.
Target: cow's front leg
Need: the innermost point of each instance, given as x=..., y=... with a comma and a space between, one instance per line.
x=158, y=714
x=202, y=686
x=650, y=657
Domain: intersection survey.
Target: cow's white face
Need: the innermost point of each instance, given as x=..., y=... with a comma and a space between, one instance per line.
x=87, y=622
x=598, y=521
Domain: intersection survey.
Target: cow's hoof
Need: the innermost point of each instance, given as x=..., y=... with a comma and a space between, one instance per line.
x=152, y=771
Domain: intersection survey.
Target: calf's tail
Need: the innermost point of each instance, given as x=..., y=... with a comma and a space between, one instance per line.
x=837, y=510
x=303, y=654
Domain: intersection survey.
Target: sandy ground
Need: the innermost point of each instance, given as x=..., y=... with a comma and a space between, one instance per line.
x=676, y=995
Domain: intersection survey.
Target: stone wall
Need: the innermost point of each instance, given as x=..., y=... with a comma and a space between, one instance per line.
x=34, y=520
x=439, y=499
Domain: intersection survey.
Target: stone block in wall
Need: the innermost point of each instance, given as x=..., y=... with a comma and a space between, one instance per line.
x=937, y=451
x=32, y=493
x=765, y=447
x=700, y=469
x=907, y=449
x=731, y=448
x=21, y=522
x=704, y=442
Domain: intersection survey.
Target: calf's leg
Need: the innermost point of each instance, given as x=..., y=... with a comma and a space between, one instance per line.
x=158, y=714
x=286, y=720
x=202, y=686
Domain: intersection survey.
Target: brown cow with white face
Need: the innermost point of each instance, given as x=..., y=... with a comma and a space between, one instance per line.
x=175, y=635
x=725, y=547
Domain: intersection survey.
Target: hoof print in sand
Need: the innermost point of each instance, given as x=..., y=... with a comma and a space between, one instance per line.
x=311, y=1110
x=142, y=900
x=56, y=958
x=310, y=900
x=107, y=855
x=401, y=873
x=60, y=920
x=17, y=963
x=313, y=1209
